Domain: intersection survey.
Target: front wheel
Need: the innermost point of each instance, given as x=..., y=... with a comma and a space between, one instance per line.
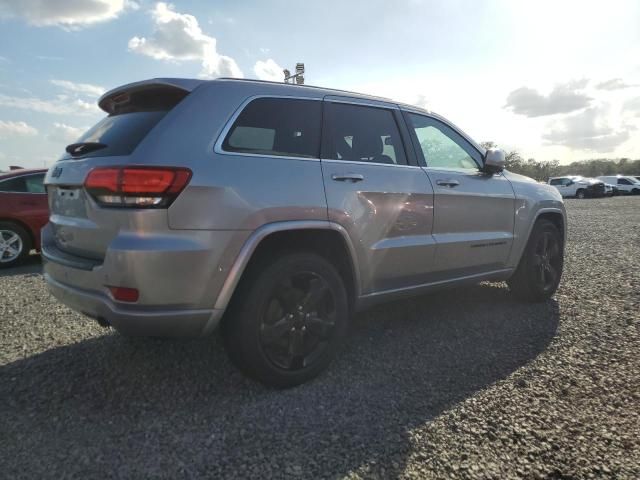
x=635, y=191
x=287, y=319
x=580, y=194
x=538, y=274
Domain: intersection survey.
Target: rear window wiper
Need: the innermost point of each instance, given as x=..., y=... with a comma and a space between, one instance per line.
x=77, y=149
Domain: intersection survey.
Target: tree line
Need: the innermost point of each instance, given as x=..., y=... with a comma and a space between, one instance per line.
x=542, y=170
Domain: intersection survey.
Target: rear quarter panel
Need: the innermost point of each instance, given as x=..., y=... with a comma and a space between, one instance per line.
x=230, y=191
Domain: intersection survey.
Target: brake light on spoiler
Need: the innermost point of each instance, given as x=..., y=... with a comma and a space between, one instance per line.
x=136, y=187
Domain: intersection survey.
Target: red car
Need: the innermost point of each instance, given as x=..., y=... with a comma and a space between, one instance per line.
x=24, y=210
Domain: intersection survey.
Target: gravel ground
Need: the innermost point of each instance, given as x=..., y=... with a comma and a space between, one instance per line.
x=465, y=384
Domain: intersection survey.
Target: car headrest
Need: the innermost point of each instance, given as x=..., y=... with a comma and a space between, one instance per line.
x=367, y=145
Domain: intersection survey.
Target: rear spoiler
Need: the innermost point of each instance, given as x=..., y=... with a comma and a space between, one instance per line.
x=124, y=98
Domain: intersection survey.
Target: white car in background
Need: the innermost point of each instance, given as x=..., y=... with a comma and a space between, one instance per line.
x=577, y=186
x=626, y=184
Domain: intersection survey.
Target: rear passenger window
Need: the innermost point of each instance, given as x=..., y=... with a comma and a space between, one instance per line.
x=361, y=134
x=35, y=183
x=24, y=184
x=15, y=185
x=277, y=126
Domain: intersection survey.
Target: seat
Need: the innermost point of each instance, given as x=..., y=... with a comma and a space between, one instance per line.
x=368, y=146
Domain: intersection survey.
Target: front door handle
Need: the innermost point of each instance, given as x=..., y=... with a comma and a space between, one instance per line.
x=448, y=183
x=347, y=177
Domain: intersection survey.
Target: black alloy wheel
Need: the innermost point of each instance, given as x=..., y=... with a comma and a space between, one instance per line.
x=540, y=269
x=288, y=317
x=298, y=321
x=548, y=261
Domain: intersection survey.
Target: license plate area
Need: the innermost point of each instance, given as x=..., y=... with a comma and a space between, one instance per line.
x=67, y=201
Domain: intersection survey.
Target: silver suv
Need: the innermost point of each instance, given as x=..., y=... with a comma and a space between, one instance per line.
x=275, y=211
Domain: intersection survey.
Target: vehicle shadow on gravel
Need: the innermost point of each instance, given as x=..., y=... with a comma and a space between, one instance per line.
x=112, y=406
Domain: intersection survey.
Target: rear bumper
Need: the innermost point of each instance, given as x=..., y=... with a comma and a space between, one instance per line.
x=173, y=275
x=138, y=321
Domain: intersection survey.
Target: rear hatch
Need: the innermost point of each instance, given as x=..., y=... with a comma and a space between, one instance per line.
x=81, y=223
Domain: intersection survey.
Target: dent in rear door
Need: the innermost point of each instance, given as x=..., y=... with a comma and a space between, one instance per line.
x=387, y=208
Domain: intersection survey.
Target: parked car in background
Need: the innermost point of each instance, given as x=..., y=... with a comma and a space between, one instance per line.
x=626, y=184
x=577, y=186
x=23, y=212
x=276, y=211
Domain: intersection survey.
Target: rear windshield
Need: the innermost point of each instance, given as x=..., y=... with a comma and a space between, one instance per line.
x=120, y=133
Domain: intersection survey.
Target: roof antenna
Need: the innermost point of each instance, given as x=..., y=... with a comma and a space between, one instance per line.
x=297, y=78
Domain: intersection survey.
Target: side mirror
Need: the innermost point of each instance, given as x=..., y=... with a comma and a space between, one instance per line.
x=494, y=161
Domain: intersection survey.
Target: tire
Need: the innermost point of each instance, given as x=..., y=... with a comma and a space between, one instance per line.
x=15, y=244
x=287, y=319
x=538, y=274
x=581, y=194
x=635, y=191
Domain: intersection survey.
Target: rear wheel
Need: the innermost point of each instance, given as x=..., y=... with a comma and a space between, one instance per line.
x=287, y=320
x=538, y=274
x=15, y=244
x=581, y=194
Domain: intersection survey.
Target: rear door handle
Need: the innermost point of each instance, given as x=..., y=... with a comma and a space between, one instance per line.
x=448, y=183
x=347, y=177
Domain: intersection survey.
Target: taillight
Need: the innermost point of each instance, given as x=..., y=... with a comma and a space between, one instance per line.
x=136, y=187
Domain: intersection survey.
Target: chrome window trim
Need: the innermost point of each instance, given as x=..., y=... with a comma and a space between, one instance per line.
x=356, y=162
x=217, y=148
x=44, y=174
x=363, y=102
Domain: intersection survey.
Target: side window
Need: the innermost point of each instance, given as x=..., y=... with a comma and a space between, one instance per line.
x=361, y=134
x=556, y=181
x=566, y=182
x=35, y=183
x=441, y=146
x=623, y=181
x=277, y=126
x=15, y=185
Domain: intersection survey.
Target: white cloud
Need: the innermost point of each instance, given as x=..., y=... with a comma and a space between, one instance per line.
x=71, y=14
x=588, y=130
x=614, y=84
x=268, y=70
x=64, y=133
x=83, y=88
x=61, y=105
x=563, y=98
x=16, y=128
x=178, y=36
x=633, y=106
x=421, y=101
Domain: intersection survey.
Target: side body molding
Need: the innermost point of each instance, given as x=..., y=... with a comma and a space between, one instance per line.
x=235, y=273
